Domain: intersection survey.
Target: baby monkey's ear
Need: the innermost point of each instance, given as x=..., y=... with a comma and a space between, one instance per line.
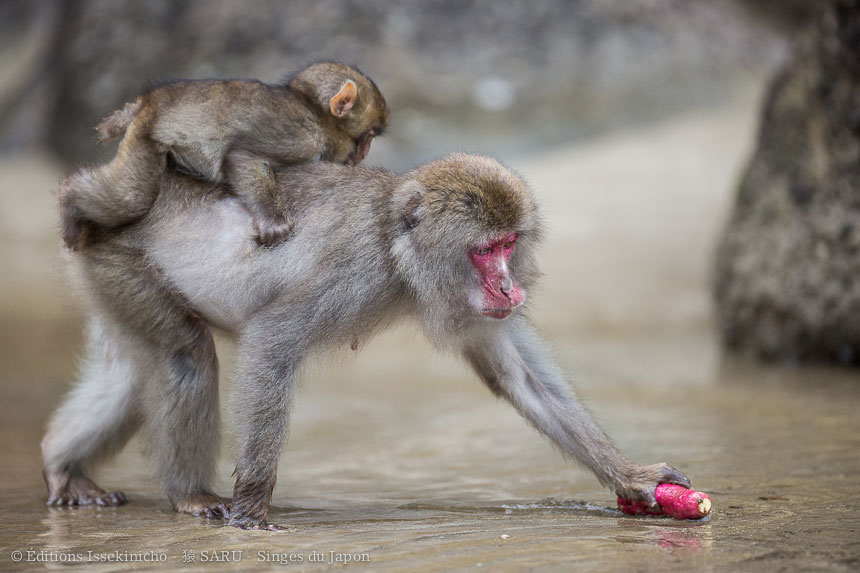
x=343, y=101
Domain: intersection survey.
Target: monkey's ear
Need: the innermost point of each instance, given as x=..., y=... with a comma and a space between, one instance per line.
x=343, y=100
x=407, y=204
x=410, y=216
x=413, y=199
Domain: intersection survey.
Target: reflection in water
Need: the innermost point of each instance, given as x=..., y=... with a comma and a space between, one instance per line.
x=671, y=539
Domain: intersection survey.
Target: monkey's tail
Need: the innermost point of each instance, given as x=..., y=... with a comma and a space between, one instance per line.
x=116, y=123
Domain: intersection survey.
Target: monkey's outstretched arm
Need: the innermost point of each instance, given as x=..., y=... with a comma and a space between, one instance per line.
x=513, y=362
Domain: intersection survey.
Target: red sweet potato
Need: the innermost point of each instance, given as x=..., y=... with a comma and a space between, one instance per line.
x=674, y=500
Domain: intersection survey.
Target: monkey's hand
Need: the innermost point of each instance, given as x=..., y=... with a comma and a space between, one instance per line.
x=640, y=482
x=674, y=500
x=271, y=232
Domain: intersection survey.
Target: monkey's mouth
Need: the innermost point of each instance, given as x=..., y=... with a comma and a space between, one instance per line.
x=361, y=149
x=498, y=312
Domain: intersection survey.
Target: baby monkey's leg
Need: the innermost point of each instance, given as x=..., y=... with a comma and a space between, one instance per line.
x=252, y=178
x=114, y=194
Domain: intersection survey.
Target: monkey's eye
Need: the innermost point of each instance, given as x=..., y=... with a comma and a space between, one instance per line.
x=509, y=245
x=482, y=251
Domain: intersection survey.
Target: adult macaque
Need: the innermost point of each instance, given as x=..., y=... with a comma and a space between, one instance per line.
x=326, y=112
x=451, y=243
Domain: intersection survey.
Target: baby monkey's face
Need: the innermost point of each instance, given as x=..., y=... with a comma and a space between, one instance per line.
x=362, y=114
x=365, y=123
x=362, y=146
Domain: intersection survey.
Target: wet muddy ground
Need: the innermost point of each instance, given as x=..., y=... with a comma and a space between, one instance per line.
x=399, y=459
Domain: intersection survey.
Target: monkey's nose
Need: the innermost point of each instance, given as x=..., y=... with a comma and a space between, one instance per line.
x=506, y=285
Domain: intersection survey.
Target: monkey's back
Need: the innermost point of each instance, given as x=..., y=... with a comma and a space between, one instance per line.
x=199, y=120
x=340, y=230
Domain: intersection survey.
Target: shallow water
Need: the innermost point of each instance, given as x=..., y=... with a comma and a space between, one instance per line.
x=402, y=460
x=421, y=468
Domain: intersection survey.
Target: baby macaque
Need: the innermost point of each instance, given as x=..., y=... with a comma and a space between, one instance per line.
x=326, y=112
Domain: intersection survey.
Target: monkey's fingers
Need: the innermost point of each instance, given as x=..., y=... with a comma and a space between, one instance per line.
x=640, y=498
x=60, y=500
x=649, y=501
x=641, y=494
x=111, y=499
x=204, y=504
x=641, y=482
x=270, y=527
x=221, y=510
x=247, y=522
x=270, y=234
x=273, y=528
x=638, y=507
x=217, y=511
x=672, y=475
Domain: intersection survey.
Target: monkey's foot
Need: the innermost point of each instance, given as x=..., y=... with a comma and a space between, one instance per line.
x=250, y=507
x=64, y=489
x=203, y=505
x=248, y=522
x=640, y=483
x=270, y=233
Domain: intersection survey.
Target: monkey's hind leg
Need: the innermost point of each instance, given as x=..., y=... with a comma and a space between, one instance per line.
x=182, y=419
x=179, y=403
x=94, y=421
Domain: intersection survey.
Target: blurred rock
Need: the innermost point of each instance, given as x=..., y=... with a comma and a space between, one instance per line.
x=788, y=268
x=498, y=77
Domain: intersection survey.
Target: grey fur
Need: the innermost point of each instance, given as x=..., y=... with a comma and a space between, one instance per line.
x=368, y=247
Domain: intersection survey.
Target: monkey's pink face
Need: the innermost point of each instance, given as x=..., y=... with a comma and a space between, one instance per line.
x=500, y=294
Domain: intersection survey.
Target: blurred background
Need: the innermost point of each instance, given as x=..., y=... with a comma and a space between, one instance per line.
x=697, y=162
x=511, y=79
